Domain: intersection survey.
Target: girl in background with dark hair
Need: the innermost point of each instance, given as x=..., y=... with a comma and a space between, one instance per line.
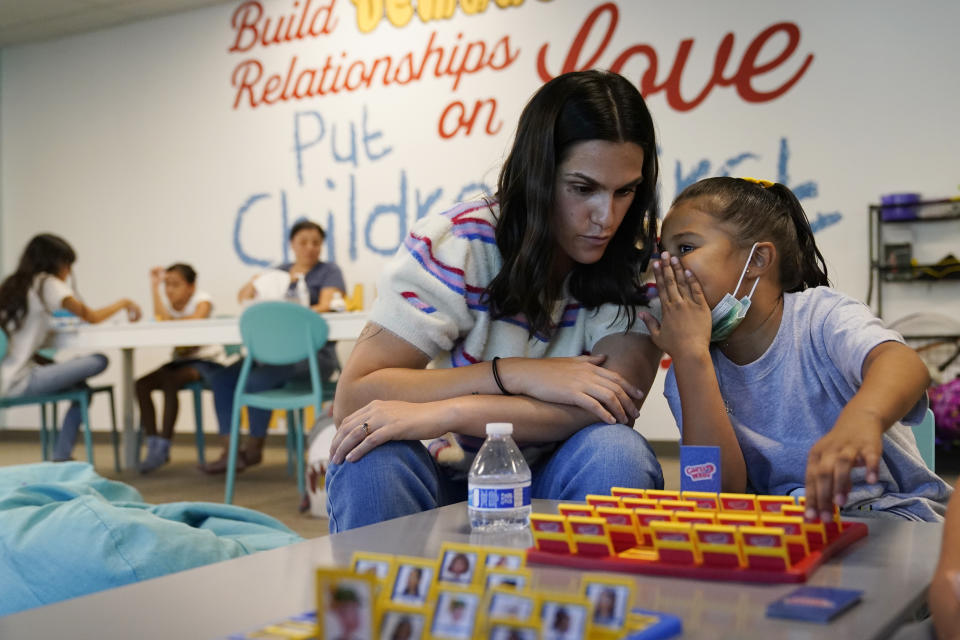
x=527, y=307
x=28, y=298
x=179, y=299
x=800, y=386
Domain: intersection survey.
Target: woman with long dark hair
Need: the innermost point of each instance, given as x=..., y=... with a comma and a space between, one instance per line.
x=28, y=298
x=527, y=306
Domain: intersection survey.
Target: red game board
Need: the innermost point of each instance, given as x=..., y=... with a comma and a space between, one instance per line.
x=735, y=537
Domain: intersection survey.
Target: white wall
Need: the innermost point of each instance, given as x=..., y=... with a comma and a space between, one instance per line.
x=126, y=141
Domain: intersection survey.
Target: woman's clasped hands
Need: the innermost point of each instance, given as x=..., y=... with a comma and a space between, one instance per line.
x=578, y=381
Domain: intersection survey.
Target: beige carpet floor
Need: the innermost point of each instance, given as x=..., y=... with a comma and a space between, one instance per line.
x=265, y=487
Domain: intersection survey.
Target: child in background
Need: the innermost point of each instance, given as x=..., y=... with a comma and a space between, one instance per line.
x=178, y=300
x=318, y=282
x=800, y=386
x=28, y=298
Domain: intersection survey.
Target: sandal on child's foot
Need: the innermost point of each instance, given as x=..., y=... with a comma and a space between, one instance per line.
x=250, y=456
x=219, y=465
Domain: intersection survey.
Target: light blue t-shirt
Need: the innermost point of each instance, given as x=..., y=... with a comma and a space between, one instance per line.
x=786, y=400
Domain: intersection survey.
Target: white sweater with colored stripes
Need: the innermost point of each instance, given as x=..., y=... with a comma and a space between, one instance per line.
x=431, y=295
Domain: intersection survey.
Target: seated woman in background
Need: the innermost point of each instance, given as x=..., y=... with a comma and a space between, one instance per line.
x=507, y=297
x=28, y=298
x=323, y=280
x=178, y=300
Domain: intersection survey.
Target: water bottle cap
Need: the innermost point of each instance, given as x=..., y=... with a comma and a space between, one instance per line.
x=499, y=428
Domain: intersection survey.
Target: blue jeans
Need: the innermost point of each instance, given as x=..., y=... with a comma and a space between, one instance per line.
x=263, y=377
x=61, y=376
x=400, y=477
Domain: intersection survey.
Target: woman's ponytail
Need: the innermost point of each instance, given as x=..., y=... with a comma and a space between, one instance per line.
x=809, y=269
x=761, y=211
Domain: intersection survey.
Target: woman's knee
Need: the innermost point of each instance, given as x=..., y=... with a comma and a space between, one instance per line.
x=224, y=380
x=382, y=467
x=619, y=449
x=98, y=363
x=395, y=479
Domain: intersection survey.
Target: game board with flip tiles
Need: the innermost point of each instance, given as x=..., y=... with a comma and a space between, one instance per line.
x=708, y=536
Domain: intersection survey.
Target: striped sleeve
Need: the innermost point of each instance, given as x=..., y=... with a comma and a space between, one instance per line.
x=432, y=290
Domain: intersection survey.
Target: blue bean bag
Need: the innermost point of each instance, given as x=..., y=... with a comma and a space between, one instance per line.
x=66, y=531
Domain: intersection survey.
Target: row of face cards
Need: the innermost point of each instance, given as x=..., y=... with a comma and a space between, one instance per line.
x=467, y=593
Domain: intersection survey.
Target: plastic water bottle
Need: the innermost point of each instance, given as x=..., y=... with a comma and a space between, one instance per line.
x=303, y=294
x=499, y=483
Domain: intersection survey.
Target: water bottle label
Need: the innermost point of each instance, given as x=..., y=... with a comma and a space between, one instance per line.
x=499, y=497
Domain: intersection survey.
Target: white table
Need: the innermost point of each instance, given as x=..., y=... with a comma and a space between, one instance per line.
x=892, y=565
x=128, y=336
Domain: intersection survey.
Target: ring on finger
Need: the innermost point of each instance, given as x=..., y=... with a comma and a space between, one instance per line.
x=366, y=429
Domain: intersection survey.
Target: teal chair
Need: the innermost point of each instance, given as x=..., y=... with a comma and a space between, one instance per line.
x=55, y=420
x=50, y=354
x=278, y=333
x=196, y=388
x=80, y=396
x=925, y=434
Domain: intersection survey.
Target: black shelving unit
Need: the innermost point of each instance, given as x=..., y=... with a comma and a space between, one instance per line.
x=879, y=270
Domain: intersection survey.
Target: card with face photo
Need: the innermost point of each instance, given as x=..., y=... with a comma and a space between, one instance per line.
x=564, y=616
x=455, y=612
x=346, y=604
x=460, y=564
x=401, y=623
x=507, y=604
x=503, y=558
x=519, y=580
x=381, y=565
x=412, y=581
x=611, y=598
x=512, y=630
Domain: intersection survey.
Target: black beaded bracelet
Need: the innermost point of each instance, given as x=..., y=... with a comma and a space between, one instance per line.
x=496, y=376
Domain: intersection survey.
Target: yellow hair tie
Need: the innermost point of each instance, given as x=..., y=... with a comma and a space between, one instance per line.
x=760, y=181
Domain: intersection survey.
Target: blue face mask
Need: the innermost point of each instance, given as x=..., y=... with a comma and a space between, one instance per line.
x=730, y=312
